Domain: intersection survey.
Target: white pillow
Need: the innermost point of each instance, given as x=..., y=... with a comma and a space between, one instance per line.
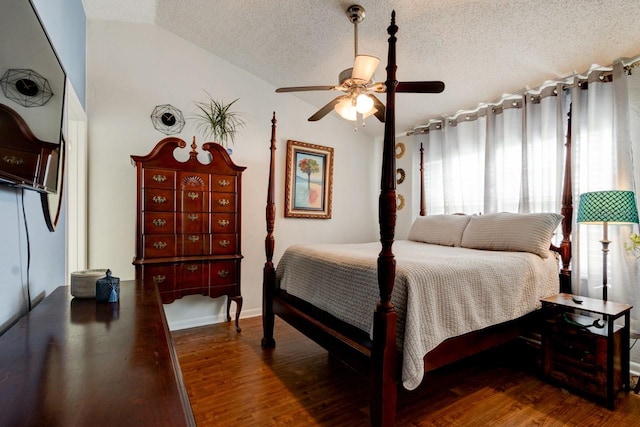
x=445, y=230
x=512, y=232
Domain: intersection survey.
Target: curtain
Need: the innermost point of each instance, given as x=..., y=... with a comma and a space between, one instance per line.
x=509, y=156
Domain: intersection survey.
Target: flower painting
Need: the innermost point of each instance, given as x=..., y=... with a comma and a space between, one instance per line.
x=308, y=185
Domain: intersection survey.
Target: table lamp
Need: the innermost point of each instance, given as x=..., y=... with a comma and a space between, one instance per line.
x=604, y=207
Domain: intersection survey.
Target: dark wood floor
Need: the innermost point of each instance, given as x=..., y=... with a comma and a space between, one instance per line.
x=232, y=381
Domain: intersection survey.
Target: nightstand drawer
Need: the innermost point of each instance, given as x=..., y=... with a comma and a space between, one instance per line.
x=576, y=356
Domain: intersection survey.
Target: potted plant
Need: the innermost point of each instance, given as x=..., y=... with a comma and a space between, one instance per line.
x=217, y=121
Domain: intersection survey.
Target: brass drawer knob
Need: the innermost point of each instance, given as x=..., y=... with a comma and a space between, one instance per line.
x=159, y=245
x=159, y=178
x=13, y=160
x=192, y=195
x=159, y=199
x=224, y=243
x=192, y=217
x=159, y=222
x=159, y=278
x=193, y=238
x=192, y=268
x=223, y=202
x=223, y=182
x=223, y=273
x=223, y=222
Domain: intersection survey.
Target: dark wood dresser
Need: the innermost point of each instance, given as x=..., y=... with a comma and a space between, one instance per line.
x=188, y=222
x=76, y=362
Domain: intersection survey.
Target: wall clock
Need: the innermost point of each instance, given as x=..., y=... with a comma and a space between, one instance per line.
x=26, y=87
x=167, y=119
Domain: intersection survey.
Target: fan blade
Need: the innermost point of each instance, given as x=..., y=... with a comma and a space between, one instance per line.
x=304, y=88
x=364, y=67
x=420, y=87
x=326, y=109
x=379, y=106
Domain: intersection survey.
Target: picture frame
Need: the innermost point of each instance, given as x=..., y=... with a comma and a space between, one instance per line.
x=309, y=182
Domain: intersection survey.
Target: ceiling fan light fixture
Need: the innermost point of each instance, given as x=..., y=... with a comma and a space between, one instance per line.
x=363, y=103
x=346, y=109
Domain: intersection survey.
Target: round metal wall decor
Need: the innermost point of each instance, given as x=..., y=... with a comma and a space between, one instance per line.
x=26, y=87
x=400, y=175
x=167, y=119
x=400, y=149
x=401, y=202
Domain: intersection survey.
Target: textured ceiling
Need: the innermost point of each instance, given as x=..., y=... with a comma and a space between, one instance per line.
x=481, y=49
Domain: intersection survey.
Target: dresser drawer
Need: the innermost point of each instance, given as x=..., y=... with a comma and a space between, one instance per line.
x=223, y=223
x=224, y=244
x=193, y=181
x=156, y=200
x=223, y=273
x=223, y=183
x=193, y=222
x=194, y=244
x=20, y=163
x=193, y=275
x=162, y=276
x=159, y=223
x=223, y=202
x=193, y=201
x=159, y=245
x=159, y=178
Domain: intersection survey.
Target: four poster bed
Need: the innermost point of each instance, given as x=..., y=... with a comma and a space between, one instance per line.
x=459, y=284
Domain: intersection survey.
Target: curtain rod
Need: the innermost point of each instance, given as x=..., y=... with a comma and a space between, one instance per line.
x=568, y=81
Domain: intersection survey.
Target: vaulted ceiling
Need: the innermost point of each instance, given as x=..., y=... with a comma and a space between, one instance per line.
x=481, y=49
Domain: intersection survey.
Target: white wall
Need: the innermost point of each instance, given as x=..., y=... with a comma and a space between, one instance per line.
x=131, y=68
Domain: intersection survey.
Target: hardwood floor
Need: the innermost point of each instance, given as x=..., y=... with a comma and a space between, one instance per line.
x=232, y=381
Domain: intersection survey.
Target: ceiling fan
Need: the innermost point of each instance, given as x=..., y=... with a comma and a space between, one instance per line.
x=358, y=86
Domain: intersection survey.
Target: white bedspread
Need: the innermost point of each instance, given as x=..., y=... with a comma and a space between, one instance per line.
x=440, y=291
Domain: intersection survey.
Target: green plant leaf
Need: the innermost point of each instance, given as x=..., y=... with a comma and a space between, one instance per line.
x=217, y=121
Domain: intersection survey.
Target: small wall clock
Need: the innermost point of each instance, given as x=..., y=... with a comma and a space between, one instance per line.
x=167, y=119
x=26, y=87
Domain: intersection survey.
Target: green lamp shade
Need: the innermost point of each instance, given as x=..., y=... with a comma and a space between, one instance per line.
x=608, y=206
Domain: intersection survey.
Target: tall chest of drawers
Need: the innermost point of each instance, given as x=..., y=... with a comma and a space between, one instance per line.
x=188, y=224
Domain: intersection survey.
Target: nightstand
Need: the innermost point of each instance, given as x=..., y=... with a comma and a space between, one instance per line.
x=580, y=355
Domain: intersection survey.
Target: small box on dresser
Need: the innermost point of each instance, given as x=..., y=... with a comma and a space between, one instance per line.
x=189, y=223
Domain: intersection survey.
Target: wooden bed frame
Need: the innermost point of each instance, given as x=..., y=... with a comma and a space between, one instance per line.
x=380, y=356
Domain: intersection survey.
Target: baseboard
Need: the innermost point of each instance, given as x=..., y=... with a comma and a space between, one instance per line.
x=210, y=320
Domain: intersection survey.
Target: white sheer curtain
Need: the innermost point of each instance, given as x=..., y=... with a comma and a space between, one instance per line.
x=509, y=156
x=493, y=160
x=603, y=159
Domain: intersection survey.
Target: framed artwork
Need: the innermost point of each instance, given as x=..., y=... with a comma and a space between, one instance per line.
x=309, y=185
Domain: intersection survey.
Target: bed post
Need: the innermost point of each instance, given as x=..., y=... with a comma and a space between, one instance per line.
x=567, y=213
x=382, y=407
x=269, y=275
x=423, y=200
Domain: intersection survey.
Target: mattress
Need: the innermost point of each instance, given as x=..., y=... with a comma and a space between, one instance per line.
x=439, y=292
